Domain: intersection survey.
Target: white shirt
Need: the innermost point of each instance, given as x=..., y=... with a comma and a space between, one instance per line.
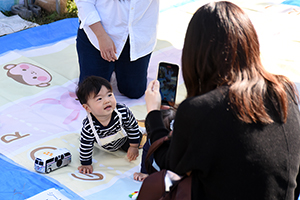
x=120, y=18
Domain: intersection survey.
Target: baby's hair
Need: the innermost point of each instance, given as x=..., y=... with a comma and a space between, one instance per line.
x=91, y=86
x=168, y=116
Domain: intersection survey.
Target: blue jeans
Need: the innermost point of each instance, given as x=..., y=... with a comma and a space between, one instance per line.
x=131, y=75
x=144, y=154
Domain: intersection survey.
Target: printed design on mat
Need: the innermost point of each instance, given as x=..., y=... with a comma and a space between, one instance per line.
x=95, y=176
x=7, y=138
x=28, y=74
x=67, y=100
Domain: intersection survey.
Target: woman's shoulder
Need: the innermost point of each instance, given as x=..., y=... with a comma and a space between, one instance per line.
x=210, y=99
x=205, y=106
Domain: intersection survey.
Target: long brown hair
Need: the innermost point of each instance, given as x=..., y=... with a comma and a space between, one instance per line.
x=221, y=48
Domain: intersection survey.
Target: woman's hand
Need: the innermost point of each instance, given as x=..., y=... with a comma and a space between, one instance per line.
x=152, y=96
x=107, y=48
x=106, y=44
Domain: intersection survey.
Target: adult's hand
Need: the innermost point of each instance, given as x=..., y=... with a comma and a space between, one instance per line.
x=107, y=48
x=106, y=44
x=152, y=96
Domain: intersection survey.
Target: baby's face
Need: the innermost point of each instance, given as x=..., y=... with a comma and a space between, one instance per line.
x=102, y=104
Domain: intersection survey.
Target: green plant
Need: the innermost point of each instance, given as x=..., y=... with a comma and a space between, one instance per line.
x=46, y=17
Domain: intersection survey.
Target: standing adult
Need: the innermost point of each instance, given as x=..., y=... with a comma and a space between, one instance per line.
x=238, y=131
x=117, y=35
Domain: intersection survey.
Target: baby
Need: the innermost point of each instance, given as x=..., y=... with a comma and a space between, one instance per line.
x=168, y=116
x=108, y=123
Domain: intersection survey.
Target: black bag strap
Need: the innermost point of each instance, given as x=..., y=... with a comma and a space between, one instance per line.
x=153, y=147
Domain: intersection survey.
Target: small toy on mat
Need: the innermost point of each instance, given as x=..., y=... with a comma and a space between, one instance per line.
x=134, y=195
x=50, y=160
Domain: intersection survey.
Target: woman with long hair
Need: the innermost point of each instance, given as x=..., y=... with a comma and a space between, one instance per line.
x=238, y=131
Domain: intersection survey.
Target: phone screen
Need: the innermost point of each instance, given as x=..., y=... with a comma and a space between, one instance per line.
x=167, y=77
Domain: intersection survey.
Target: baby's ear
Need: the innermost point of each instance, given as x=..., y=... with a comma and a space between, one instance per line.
x=86, y=107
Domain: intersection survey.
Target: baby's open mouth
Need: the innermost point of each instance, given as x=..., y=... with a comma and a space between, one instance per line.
x=107, y=107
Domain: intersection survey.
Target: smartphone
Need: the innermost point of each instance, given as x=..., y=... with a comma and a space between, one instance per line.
x=168, y=78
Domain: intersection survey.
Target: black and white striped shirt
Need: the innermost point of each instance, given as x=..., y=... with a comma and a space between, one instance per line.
x=87, y=138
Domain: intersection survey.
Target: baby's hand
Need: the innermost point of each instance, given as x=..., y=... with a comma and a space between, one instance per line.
x=133, y=152
x=85, y=169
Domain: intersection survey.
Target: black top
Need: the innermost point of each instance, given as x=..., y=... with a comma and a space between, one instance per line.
x=230, y=159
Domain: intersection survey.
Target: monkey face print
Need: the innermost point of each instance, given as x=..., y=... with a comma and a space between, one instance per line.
x=28, y=74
